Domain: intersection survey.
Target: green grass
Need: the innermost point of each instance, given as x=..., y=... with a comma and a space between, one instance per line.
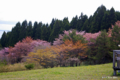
x=91, y=72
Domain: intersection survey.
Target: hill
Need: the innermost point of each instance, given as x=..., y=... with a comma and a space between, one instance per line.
x=91, y=72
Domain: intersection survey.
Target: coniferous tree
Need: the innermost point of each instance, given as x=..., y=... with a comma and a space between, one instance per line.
x=97, y=18
x=103, y=48
x=85, y=26
x=34, y=30
x=83, y=19
x=100, y=51
x=44, y=33
x=52, y=23
x=49, y=30
x=105, y=24
x=9, y=39
x=15, y=34
x=113, y=17
x=115, y=39
x=66, y=24
x=118, y=15
x=29, y=29
x=38, y=31
x=57, y=29
x=4, y=39
x=23, y=30
x=73, y=23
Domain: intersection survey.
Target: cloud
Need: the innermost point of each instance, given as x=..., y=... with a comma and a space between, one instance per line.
x=6, y=26
x=45, y=10
x=7, y=22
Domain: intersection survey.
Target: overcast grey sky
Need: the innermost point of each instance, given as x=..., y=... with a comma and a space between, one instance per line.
x=12, y=11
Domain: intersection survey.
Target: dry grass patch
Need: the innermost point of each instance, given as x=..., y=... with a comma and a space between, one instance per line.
x=16, y=67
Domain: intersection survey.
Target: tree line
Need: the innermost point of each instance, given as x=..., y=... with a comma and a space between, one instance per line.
x=70, y=49
x=100, y=20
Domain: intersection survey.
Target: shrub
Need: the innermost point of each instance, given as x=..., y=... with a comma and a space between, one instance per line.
x=29, y=66
x=12, y=67
x=3, y=63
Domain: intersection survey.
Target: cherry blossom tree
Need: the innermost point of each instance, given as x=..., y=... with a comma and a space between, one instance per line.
x=22, y=48
x=110, y=29
x=4, y=54
x=89, y=36
x=39, y=44
x=59, y=40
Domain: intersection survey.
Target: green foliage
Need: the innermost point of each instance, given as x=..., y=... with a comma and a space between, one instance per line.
x=115, y=39
x=4, y=39
x=57, y=29
x=34, y=30
x=44, y=33
x=103, y=47
x=3, y=63
x=29, y=31
x=113, y=17
x=74, y=22
x=74, y=37
x=29, y=66
x=23, y=30
x=38, y=31
x=100, y=52
x=66, y=24
x=0, y=46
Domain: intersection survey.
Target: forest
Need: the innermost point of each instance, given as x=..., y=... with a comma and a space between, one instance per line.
x=102, y=19
x=89, y=40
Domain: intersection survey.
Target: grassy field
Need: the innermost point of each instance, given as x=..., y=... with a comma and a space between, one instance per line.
x=91, y=72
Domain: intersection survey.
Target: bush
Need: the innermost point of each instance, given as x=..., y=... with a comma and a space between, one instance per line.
x=3, y=63
x=12, y=67
x=29, y=66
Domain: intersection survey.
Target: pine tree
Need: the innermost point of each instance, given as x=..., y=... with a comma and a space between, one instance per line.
x=73, y=23
x=4, y=39
x=34, y=30
x=15, y=34
x=100, y=51
x=38, y=31
x=44, y=33
x=57, y=29
x=115, y=39
x=113, y=17
x=66, y=24
x=97, y=18
x=29, y=29
x=103, y=48
x=23, y=30
x=105, y=24
x=118, y=15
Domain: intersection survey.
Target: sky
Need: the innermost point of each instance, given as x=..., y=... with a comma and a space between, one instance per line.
x=13, y=11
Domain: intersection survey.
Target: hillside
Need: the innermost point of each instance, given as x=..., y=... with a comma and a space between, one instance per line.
x=91, y=72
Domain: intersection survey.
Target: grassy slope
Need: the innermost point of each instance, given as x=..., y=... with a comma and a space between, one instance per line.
x=91, y=72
